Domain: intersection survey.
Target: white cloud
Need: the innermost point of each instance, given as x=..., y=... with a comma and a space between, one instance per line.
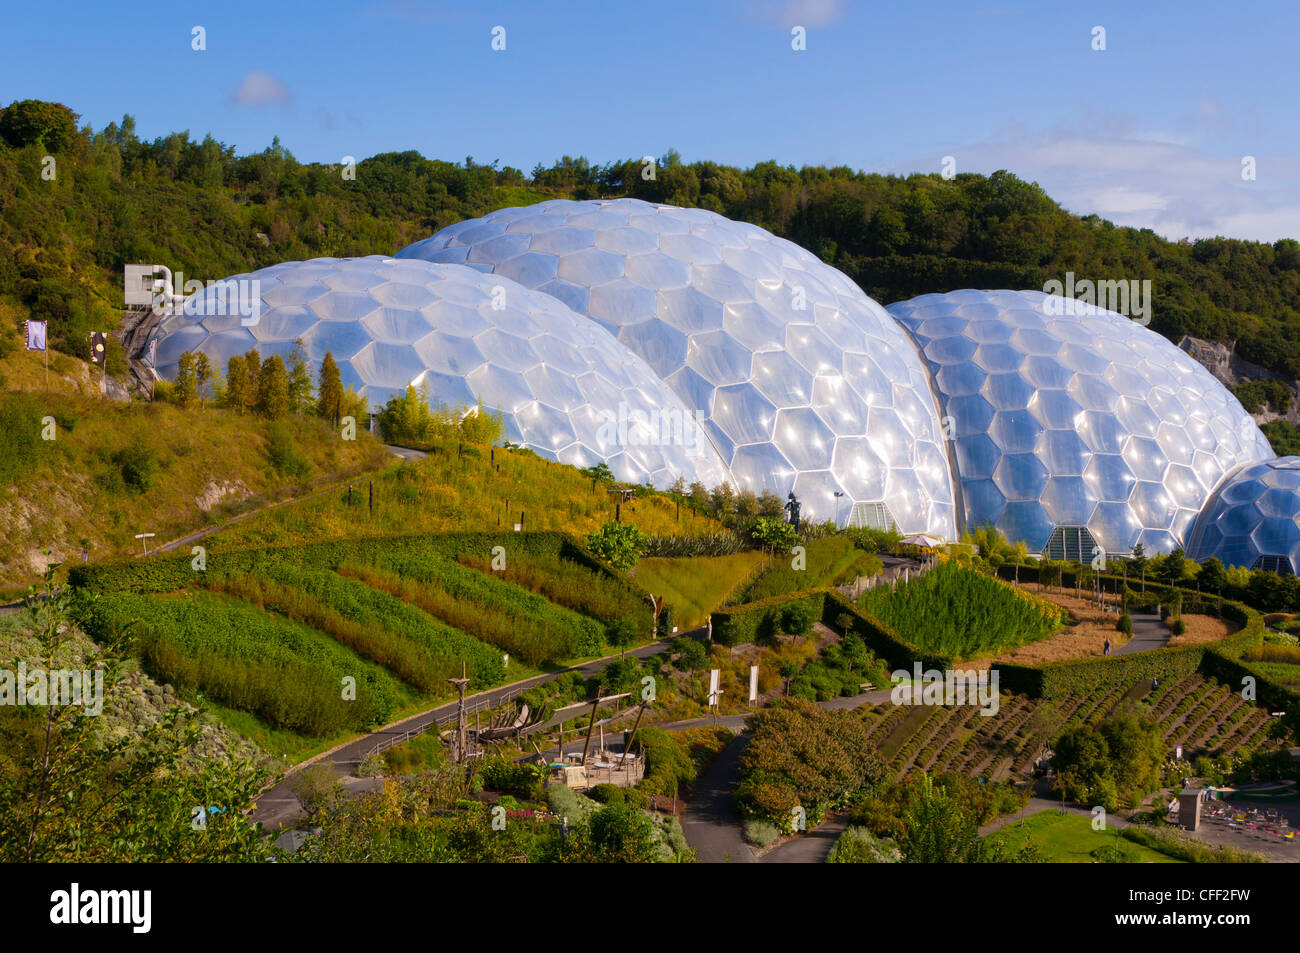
x=261, y=89
x=805, y=13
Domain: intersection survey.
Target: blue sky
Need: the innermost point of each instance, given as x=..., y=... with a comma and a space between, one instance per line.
x=1149, y=132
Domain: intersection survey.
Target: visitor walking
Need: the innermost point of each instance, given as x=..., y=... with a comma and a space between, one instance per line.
x=1106, y=649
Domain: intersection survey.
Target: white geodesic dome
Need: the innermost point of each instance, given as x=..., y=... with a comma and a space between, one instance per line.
x=805, y=384
x=1069, y=418
x=565, y=387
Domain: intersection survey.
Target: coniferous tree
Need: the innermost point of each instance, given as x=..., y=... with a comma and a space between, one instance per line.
x=273, y=389
x=186, y=379
x=329, y=402
x=237, y=384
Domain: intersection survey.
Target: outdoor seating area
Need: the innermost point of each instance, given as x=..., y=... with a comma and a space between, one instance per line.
x=1248, y=822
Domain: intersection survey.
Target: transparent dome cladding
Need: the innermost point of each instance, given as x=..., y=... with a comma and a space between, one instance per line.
x=805, y=383
x=1076, y=419
x=1252, y=518
x=604, y=330
x=565, y=387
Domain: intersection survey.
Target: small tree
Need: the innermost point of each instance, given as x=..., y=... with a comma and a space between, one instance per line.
x=237, y=384
x=300, y=396
x=621, y=633
x=273, y=389
x=186, y=383
x=254, y=362
x=773, y=534
x=619, y=544
x=329, y=401
x=202, y=375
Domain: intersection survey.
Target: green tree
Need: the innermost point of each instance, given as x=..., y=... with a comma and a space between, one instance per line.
x=939, y=830
x=238, y=386
x=621, y=633
x=773, y=534
x=1212, y=576
x=619, y=544
x=273, y=389
x=202, y=375
x=300, y=395
x=329, y=401
x=31, y=121
x=186, y=389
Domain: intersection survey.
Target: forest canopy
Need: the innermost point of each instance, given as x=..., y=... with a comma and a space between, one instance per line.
x=201, y=209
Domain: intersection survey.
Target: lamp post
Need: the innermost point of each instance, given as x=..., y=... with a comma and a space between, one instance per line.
x=839, y=494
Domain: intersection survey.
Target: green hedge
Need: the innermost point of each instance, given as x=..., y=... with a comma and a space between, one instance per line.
x=169, y=573
x=1080, y=676
x=1231, y=671
x=756, y=620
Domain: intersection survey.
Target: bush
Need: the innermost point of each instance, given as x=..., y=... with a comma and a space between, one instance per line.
x=760, y=833
x=498, y=774
x=797, y=618
x=283, y=452
x=1125, y=624
x=1179, y=626
x=607, y=794
x=137, y=466
x=857, y=846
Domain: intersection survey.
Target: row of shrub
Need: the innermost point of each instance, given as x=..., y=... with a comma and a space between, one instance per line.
x=508, y=616
x=575, y=585
x=417, y=647
x=703, y=544
x=169, y=573
x=287, y=674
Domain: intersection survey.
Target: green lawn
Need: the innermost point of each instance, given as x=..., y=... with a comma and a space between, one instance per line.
x=695, y=585
x=1070, y=839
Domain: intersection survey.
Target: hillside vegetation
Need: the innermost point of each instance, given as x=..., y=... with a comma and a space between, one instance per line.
x=116, y=469
x=200, y=209
x=462, y=487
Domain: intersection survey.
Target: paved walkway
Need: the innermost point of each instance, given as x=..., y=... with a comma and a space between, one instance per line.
x=278, y=806
x=1148, y=633
x=710, y=822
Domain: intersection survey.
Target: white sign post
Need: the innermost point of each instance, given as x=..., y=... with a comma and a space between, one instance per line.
x=753, y=684
x=144, y=540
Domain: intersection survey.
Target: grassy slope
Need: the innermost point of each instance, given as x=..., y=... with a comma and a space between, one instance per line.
x=696, y=585
x=1069, y=839
x=445, y=492
x=68, y=492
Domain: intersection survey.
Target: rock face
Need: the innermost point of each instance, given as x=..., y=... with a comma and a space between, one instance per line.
x=1231, y=369
x=216, y=491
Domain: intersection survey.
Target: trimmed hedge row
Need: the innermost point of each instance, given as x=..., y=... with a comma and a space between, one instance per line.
x=1080, y=676
x=756, y=620
x=167, y=574
x=172, y=573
